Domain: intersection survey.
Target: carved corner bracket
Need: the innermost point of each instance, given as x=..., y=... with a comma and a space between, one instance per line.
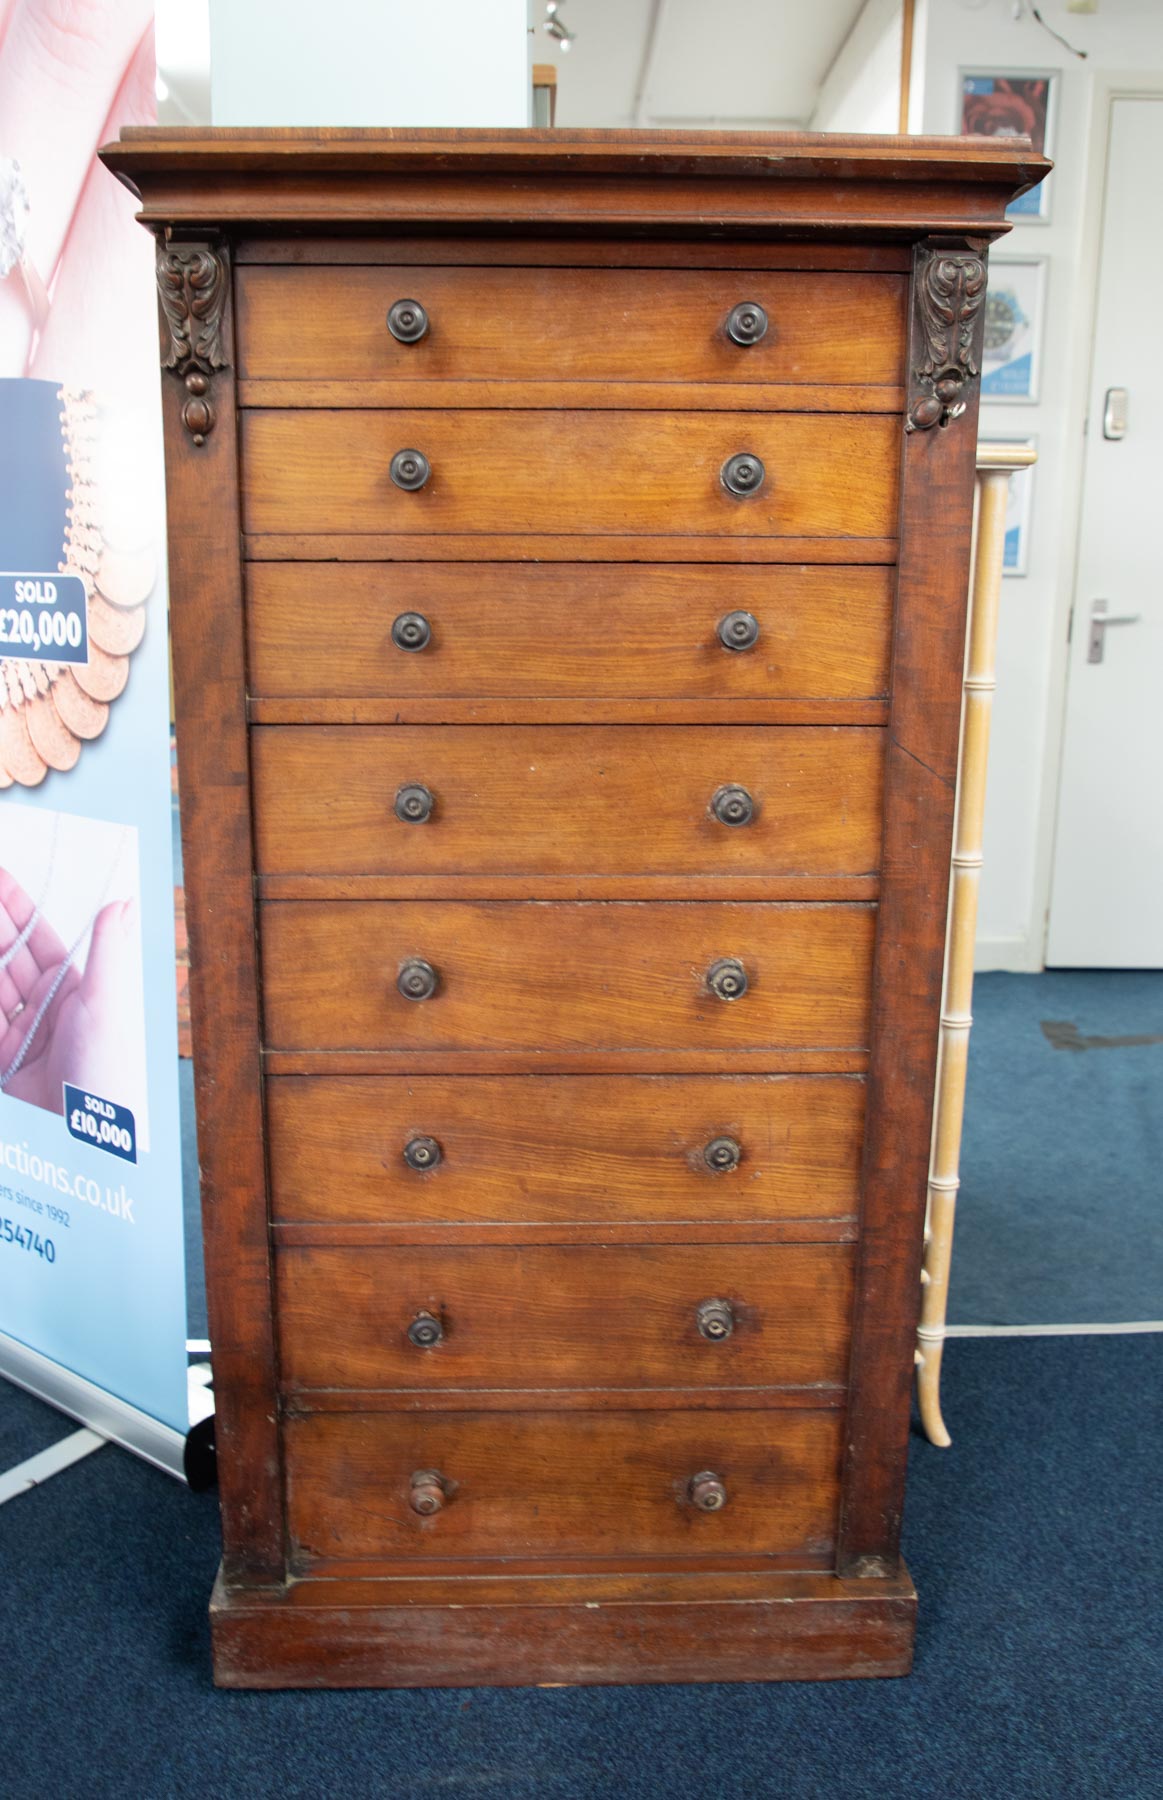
x=192, y=284
x=946, y=335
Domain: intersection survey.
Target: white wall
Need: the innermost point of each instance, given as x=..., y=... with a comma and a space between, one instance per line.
x=1123, y=35
x=861, y=91
x=369, y=62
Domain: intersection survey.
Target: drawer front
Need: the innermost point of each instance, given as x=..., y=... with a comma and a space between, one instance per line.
x=574, y=800
x=569, y=325
x=575, y=631
x=580, y=1317
x=564, y=1484
x=554, y=1149
x=570, y=472
x=590, y=976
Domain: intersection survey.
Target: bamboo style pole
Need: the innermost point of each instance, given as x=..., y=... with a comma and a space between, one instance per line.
x=995, y=464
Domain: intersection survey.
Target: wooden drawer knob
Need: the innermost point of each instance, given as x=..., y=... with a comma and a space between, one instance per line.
x=417, y=979
x=746, y=323
x=733, y=806
x=742, y=475
x=411, y=631
x=425, y=1331
x=727, y=978
x=408, y=321
x=414, y=804
x=722, y=1153
x=738, y=631
x=428, y=1492
x=410, y=469
x=706, y=1491
x=422, y=1153
x=715, y=1320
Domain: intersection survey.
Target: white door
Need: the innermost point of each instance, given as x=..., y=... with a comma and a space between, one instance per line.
x=1106, y=901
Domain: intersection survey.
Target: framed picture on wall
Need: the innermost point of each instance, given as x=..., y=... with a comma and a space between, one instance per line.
x=1015, y=309
x=1015, y=555
x=1012, y=103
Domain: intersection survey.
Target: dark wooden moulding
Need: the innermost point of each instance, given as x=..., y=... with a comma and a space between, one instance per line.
x=924, y=209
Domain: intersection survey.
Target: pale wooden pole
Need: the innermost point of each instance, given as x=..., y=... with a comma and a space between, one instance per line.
x=995, y=464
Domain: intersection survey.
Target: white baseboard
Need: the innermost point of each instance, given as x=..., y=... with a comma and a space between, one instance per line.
x=1018, y=955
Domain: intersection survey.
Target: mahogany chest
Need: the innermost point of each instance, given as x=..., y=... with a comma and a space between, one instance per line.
x=569, y=540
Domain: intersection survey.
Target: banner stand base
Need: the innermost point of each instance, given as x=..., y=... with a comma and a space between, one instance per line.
x=106, y=1416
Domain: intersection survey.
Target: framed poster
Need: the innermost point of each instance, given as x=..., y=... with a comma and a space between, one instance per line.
x=1012, y=103
x=1015, y=309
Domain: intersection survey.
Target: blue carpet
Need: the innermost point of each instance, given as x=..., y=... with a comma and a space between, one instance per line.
x=1034, y=1543
x=1060, y=1216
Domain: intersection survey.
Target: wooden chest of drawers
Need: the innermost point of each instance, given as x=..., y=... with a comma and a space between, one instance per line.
x=569, y=543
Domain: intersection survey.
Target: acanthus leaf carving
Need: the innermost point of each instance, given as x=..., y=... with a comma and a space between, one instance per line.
x=192, y=284
x=945, y=343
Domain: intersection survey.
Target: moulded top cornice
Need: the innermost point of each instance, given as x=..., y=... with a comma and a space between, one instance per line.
x=575, y=179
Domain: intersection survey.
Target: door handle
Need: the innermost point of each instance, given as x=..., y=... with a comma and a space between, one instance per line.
x=1099, y=620
x=1114, y=415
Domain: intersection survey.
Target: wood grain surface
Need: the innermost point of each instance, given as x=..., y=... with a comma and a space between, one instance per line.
x=590, y=800
x=591, y=977
x=541, y=1317
x=532, y=1483
x=569, y=472
x=604, y=1149
x=579, y=324
x=586, y=632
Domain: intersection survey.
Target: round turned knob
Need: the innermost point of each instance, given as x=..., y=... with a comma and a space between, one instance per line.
x=417, y=979
x=414, y=804
x=746, y=323
x=722, y=1153
x=715, y=1320
x=706, y=1491
x=410, y=469
x=426, y=1330
x=411, y=631
x=408, y=321
x=733, y=806
x=727, y=978
x=738, y=631
x=428, y=1492
x=422, y=1153
x=742, y=474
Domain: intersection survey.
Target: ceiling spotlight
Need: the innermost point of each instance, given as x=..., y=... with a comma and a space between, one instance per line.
x=556, y=27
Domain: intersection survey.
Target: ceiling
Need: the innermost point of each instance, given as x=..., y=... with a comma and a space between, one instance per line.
x=693, y=62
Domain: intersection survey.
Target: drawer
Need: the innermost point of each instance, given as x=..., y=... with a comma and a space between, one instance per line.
x=544, y=1148
x=506, y=324
x=573, y=800
x=566, y=473
x=563, y=1484
x=575, y=631
x=536, y=977
x=662, y=1316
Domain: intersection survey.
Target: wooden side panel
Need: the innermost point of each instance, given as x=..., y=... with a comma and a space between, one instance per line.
x=565, y=1484
x=602, y=325
x=570, y=472
x=602, y=1148
x=587, y=800
x=586, y=632
x=928, y=652
x=210, y=689
x=537, y=978
x=581, y=1317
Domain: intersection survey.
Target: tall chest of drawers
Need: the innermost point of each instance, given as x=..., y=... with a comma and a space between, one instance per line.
x=569, y=538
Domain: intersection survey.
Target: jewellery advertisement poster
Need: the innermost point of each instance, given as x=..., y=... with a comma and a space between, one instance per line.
x=91, y=1233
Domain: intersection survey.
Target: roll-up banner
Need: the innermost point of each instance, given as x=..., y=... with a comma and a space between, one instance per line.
x=92, y=1292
